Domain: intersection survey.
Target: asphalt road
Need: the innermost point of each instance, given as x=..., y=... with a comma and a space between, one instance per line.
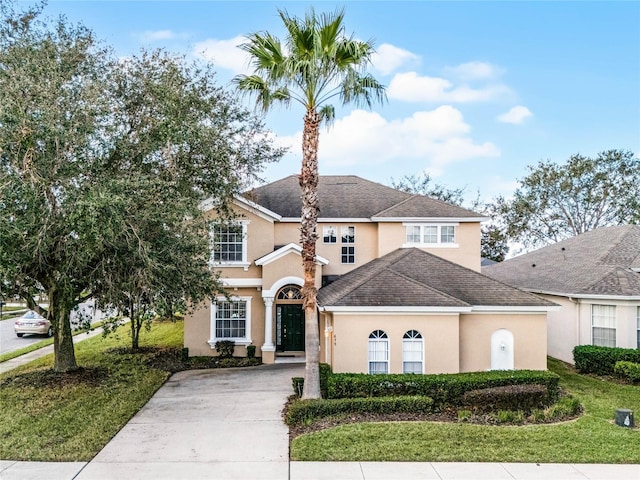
x=9, y=341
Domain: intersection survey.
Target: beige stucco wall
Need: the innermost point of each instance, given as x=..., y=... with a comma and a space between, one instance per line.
x=351, y=340
x=530, y=340
x=392, y=236
x=289, y=265
x=366, y=244
x=260, y=241
x=563, y=329
x=197, y=325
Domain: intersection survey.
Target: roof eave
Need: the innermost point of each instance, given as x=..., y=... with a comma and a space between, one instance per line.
x=431, y=219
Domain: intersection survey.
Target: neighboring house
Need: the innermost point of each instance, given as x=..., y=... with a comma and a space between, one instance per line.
x=595, y=277
x=402, y=289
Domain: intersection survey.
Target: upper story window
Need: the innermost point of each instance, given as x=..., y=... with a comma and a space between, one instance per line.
x=329, y=234
x=348, y=234
x=603, y=325
x=443, y=235
x=229, y=243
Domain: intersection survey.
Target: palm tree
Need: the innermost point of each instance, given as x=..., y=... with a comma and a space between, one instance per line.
x=315, y=64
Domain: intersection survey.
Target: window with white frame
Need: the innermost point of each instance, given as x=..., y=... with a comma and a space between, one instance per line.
x=603, y=325
x=232, y=319
x=329, y=234
x=348, y=255
x=412, y=352
x=430, y=234
x=229, y=243
x=378, y=352
x=348, y=234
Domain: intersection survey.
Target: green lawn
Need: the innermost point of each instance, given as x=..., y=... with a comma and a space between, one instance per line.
x=50, y=417
x=593, y=438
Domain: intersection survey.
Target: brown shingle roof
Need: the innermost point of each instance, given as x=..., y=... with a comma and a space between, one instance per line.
x=414, y=278
x=599, y=262
x=350, y=196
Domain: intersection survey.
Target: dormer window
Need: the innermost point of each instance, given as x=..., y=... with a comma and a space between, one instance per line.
x=430, y=235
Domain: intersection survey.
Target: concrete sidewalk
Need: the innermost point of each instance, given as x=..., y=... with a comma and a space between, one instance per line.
x=226, y=424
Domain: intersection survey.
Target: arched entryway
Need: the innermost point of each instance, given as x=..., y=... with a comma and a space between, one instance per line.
x=289, y=319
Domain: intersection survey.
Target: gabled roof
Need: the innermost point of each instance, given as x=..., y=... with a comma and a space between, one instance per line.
x=411, y=277
x=285, y=250
x=603, y=262
x=352, y=197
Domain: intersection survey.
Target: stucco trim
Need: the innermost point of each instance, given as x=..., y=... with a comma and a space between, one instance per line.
x=443, y=220
x=281, y=283
x=246, y=204
x=241, y=282
x=282, y=251
x=383, y=310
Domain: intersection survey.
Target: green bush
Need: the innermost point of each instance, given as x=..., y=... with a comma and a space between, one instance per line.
x=628, y=370
x=602, y=360
x=305, y=411
x=251, y=351
x=225, y=348
x=325, y=373
x=509, y=397
x=444, y=389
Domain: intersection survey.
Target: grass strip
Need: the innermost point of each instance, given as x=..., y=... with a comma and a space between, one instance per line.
x=593, y=438
x=51, y=417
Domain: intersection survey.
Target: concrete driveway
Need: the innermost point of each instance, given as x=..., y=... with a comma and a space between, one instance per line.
x=205, y=424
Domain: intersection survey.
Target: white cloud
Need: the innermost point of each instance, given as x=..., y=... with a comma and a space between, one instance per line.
x=150, y=36
x=516, y=115
x=388, y=58
x=411, y=87
x=224, y=53
x=432, y=138
x=475, y=71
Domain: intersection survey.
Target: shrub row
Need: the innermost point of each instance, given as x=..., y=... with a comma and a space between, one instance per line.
x=628, y=370
x=325, y=372
x=602, y=360
x=302, y=411
x=509, y=397
x=443, y=388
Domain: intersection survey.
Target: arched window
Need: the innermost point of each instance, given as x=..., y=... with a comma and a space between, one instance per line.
x=378, y=352
x=412, y=352
x=290, y=292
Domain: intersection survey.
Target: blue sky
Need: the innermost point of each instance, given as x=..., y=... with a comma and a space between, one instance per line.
x=476, y=90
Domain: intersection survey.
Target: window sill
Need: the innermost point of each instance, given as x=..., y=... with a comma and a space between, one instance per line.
x=237, y=341
x=430, y=245
x=244, y=265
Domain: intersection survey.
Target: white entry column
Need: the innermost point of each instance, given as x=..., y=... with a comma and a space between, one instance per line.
x=268, y=349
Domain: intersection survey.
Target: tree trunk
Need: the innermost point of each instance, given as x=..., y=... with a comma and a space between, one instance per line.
x=59, y=315
x=308, y=237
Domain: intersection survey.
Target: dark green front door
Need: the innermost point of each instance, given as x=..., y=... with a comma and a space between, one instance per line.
x=290, y=325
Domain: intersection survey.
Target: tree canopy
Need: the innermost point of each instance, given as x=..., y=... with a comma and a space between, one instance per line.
x=557, y=201
x=102, y=162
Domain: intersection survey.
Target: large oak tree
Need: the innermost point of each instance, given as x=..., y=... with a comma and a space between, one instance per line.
x=101, y=162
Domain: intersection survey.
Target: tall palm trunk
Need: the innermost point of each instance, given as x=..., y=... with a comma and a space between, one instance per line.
x=308, y=237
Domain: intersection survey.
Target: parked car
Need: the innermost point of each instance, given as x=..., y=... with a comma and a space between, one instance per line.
x=32, y=322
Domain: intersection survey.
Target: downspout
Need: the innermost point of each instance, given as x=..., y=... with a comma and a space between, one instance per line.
x=576, y=302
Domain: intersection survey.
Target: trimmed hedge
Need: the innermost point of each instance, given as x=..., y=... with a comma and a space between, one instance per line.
x=443, y=388
x=509, y=397
x=309, y=410
x=325, y=373
x=602, y=360
x=628, y=370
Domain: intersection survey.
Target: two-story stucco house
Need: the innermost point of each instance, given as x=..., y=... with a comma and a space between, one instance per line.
x=401, y=285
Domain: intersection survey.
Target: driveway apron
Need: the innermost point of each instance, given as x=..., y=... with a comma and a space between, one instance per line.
x=209, y=424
